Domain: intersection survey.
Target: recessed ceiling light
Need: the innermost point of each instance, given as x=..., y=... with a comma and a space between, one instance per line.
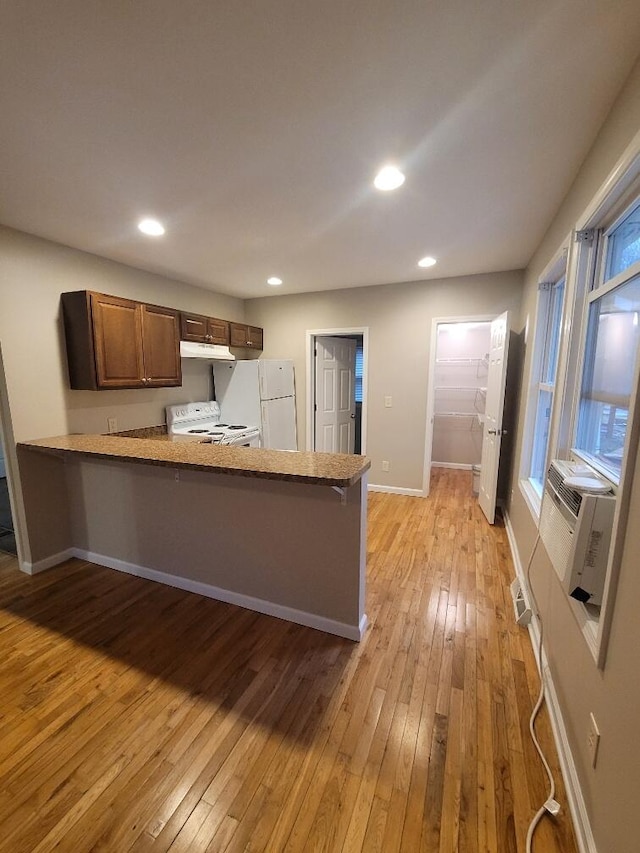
x=274, y=281
x=151, y=227
x=389, y=178
x=426, y=262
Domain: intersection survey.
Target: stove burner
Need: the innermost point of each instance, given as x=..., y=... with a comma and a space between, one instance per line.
x=222, y=425
x=198, y=430
x=238, y=426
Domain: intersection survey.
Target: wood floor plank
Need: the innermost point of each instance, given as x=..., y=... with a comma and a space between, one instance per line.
x=137, y=717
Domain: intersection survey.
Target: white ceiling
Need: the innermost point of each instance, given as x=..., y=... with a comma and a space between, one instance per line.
x=253, y=130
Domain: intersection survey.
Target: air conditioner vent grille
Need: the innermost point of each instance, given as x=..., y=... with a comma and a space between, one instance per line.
x=570, y=497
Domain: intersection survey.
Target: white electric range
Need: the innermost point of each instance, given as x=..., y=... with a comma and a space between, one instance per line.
x=201, y=422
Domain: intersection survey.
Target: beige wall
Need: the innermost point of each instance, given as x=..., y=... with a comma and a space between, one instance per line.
x=399, y=319
x=613, y=695
x=34, y=273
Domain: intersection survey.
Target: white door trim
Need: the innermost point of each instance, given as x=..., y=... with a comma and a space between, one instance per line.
x=428, y=432
x=311, y=335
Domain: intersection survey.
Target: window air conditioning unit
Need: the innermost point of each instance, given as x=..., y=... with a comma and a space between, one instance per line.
x=575, y=526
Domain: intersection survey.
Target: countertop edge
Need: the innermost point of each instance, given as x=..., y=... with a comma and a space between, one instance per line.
x=282, y=476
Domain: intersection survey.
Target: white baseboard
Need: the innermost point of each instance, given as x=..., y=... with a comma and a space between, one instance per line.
x=396, y=490
x=269, y=608
x=577, y=805
x=47, y=563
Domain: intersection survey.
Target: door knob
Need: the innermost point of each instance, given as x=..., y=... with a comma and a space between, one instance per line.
x=492, y=432
x=352, y=416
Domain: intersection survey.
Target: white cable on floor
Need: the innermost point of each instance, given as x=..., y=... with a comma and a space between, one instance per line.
x=550, y=806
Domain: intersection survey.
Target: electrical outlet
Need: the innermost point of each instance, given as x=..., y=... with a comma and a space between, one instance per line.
x=112, y=424
x=387, y=402
x=593, y=739
x=385, y=465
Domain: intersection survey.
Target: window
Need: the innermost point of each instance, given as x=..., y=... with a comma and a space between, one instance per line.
x=623, y=244
x=543, y=381
x=611, y=350
x=359, y=367
x=589, y=391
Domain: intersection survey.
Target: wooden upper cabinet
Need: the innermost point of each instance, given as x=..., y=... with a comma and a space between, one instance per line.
x=238, y=334
x=245, y=336
x=254, y=337
x=118, y=343
x=160, y=346
x=218, y=331
x=117, y=335
x=203, y=330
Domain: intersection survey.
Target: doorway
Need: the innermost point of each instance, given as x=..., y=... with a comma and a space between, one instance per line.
x=7, y=526
x=465, y=409
x=336, y=390
x=458, y=371
x=7, y=532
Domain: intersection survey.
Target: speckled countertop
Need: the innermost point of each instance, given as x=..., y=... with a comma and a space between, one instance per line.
x=328, y=469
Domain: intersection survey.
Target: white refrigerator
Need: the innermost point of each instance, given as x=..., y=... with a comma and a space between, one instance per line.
x=259, y=392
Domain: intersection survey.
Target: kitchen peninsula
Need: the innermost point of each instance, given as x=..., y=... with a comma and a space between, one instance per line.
x=277, y=532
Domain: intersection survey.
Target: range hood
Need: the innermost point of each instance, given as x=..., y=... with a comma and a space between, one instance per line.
x=189, y=349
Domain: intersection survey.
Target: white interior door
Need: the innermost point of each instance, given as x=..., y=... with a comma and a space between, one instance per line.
x=492, y=438
x=335, y=406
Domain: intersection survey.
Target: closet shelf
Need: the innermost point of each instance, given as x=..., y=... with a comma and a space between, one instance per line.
x=459, y=388
x=475, y=419
x=476, y=397
x=455, y=414
x=483, y=360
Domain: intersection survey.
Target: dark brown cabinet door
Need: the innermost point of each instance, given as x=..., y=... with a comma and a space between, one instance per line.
x=160, y=346
x=238, y=334
x=254, y=337
x=118, y=342
x=193, y=328
x=218, y=331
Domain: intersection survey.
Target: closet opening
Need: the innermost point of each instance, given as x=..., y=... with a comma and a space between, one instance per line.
x=459, y=369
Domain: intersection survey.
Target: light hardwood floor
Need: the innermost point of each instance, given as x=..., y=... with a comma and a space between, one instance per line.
x=139, y=717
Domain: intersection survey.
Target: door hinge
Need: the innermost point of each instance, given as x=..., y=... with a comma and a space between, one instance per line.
x=315, y=407
x=585, y=236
